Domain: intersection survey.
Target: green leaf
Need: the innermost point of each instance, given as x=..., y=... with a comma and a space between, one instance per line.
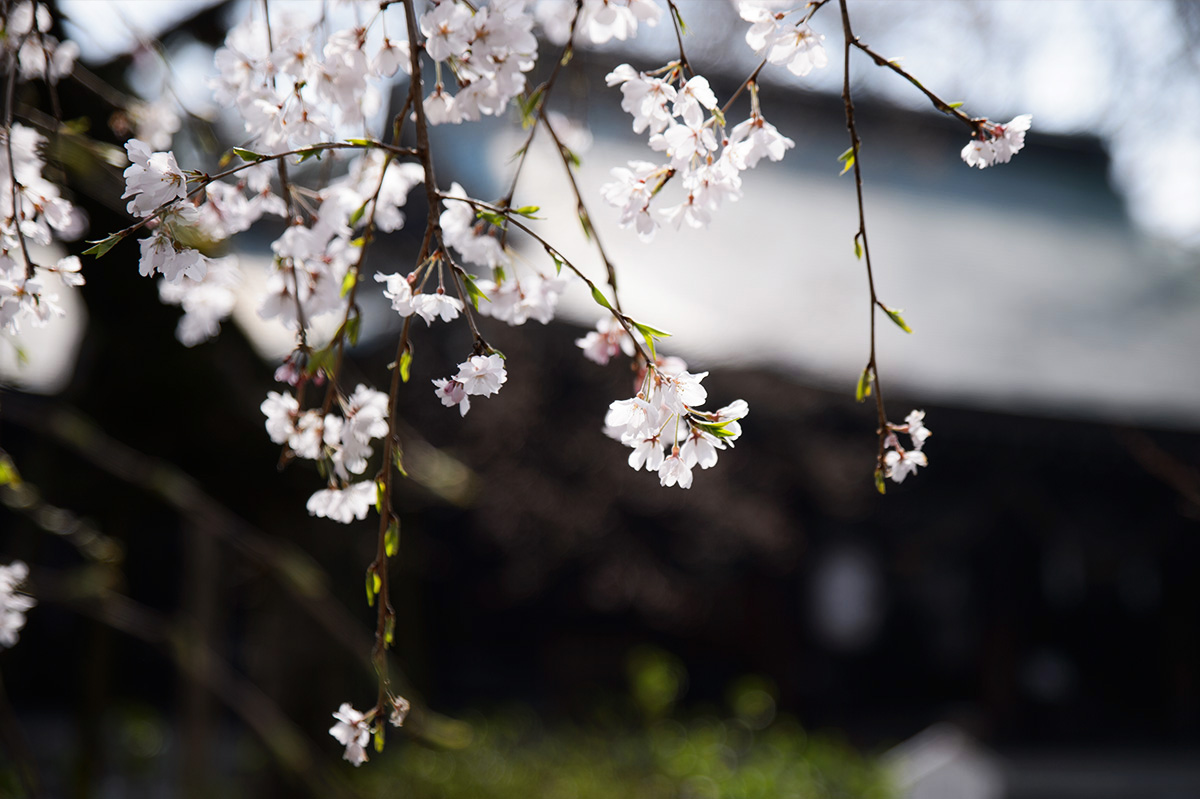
x=389, y=633
x=959, y=104
x=473, y=291
x=847, y=159
x=379, y=738
x=586, y=222
x=103, y=246
x=719, y=115
x=572, y=157
x=712, y=428
x=600, y=298
x=529, y=105
x=348, y=282
x=679, y=19
x=653, y=330
x=405, y=363
x=858, y=250
x=248, y=155
x=880, y=486
x=359, y=243
x=380, y=500
x=312, y=152
x=894, y=315
x=528, y=211
x=398, y=461
x=863, y=390
x=319, y=360
x=391, y=539
x=361, y=142
x=353, y=326
x=496, y=219
x=558, y=264
x=649, y=334
x=372, y=578
x=358, y=214
x=8, y=471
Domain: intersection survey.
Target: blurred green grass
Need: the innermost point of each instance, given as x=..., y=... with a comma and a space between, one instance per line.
x=748, y=751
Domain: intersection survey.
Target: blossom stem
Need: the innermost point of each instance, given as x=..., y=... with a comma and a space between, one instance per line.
x=855, y=143
x=12, y=174
x=676, y=19
x=204, y=180
x=946, y=108
x=545, y=90
x=553, y=251
x=356, y=270
x=581, y=207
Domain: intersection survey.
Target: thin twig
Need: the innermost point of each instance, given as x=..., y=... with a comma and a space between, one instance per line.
x=855, y=143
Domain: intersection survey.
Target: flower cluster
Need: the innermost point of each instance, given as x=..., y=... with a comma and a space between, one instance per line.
x=599, y=21
x=340, y=443
x=12, y=604
x=663, y=415
x=489, y=49
x=38, y=54
x=510, y=298
x=791, y=44
x=899, y=462
x=38, y=215
x=995, y=143
x=291, y=88
x=685, y=123
x=353, y=729
x=479, y=375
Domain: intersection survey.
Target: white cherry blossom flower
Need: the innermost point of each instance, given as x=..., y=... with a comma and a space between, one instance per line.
x=998, y=144
x=13, y=605
x=447, y=27
x=343, y=504
x=635, y=418
x=399, y=291
x=353, y=731
x=435, y=305
x=900, y=464
x=451, y=393
x=482, y=374
x=693, y=97
x=700, y=448
x=674, y=470
x=644, y=97
x=648, y=453
x=602, y=344
x=152, y=180
x=917, y=429
x=754, y=139
x=281, y=411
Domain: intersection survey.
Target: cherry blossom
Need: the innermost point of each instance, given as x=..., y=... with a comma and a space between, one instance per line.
x=482, y=374
x=343, y=504
x=602, y=344
x=152, y=180
x=451, y=393
x=436, y=305
x=901, y=463
x=13, y=605
x=674, y=470
x=998, y=144
x=353, y=730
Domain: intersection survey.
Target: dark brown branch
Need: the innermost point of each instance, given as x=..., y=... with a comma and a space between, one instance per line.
x=872, y=368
